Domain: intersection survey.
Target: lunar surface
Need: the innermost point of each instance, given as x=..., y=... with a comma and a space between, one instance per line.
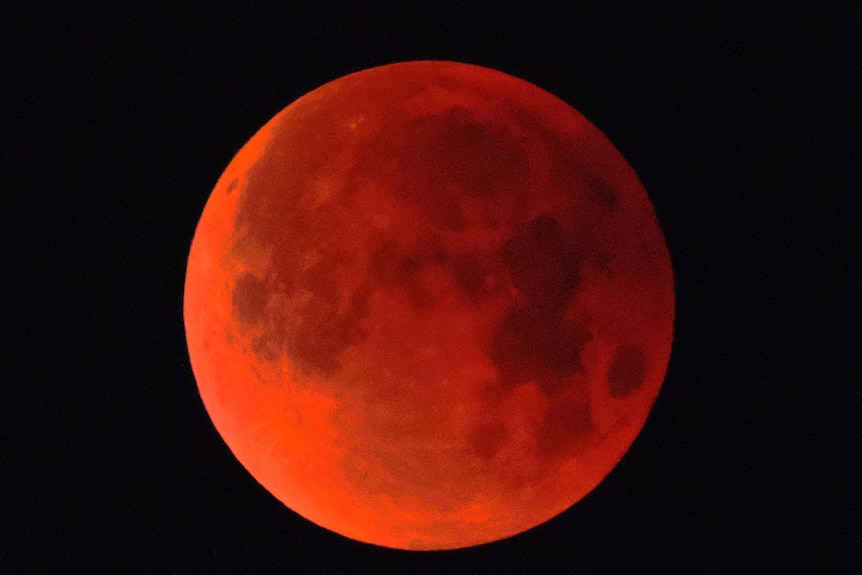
x=429, y=306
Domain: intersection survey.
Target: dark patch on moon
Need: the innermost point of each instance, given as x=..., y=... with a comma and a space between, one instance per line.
x=317, y=334
x=390, y=267
x=469, y=275
x=534, y=343
x=567, y=171
x=249, y=299
x=482, y=158
x=627, y=371
x=543, y=266
x=323, y=332
x=600, y=191
x=231, y=186
x=449, y=154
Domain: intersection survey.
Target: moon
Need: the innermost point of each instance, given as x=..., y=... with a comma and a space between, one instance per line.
x=429, y=306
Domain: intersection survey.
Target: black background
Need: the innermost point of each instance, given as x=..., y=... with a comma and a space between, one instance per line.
x=743, y=124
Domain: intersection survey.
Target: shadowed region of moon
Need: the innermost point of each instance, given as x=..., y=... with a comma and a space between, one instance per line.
x=429, y=306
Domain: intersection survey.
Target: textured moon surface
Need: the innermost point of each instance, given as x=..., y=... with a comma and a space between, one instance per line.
x=428, y=306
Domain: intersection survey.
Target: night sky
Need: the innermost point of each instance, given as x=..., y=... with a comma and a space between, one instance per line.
x=742, y=124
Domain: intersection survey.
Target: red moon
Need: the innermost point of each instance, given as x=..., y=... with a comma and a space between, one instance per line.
x=429, y=305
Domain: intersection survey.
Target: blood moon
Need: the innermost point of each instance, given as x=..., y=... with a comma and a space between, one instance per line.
x=428, y=306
